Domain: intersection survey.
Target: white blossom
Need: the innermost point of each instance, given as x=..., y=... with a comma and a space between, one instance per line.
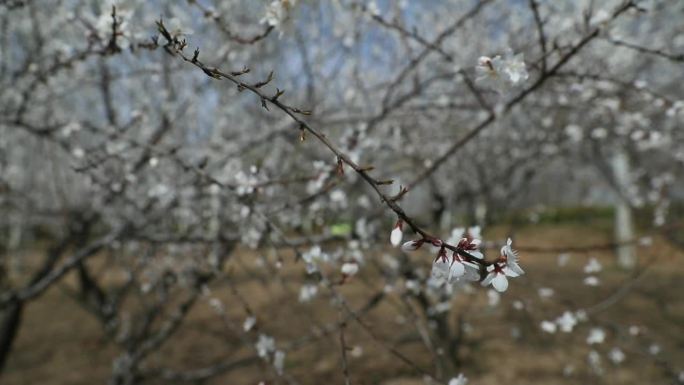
x=449, y=270
x=545, y=292
x=507, y=266
x=78, y=152
x=216, y=304
x=616, y=356
x=548, y=326
x=471, y=246
x=279, y=13
x=456, y=235
x=474, y=232
x=599, y=133
x=594, y=359
x=411, y=245
x=512, y=267
x=593, y=266
x=357, y=351
x=581, y=315
x=566, y=322
x=457, y=268
x=563, y=259
x=397, y=234
x=412, y=285
x=574, y=132
x=279, y=361
x=350, y=269
x=596, y=336
x=496, y=277
x=373, y=9
x=460, y=380
x=600, y=18
x=307, y=293
x=265, y=345
x=654, y=349
x=493, y=298
x=313, y=257
x=440, y=271
x=568, y=370
x=249, y=323
x=501, y=73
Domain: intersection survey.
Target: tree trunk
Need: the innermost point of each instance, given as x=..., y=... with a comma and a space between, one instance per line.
x=9, y=328
x=624, y=229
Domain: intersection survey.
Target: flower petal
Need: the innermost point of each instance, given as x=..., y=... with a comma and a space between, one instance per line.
x=488, y=279
x=457, y=270
x=516, y=268
x=411, y=245
x=500, y=283
x=476, y=254
x=395, y=236
x=510, y=272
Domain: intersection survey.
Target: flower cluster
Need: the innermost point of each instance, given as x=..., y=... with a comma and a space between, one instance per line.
x=266, y=349
x=464, y=262
x=278, y=13
x=506, y=266
x=501, y=73
x=565, y=323
x=460, y=380
x=591, y=269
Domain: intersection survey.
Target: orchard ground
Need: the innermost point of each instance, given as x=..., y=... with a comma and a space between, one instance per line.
x=502, y=343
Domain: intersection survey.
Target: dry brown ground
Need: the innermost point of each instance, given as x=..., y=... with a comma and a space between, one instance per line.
x=60, y=343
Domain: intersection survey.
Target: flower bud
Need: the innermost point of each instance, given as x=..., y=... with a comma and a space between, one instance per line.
x=397, y=234
x=349, y=269
x=412, y=245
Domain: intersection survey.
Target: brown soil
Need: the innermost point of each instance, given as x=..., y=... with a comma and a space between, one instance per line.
x=61, y=343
